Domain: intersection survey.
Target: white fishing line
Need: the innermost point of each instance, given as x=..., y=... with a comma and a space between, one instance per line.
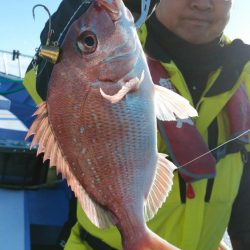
x=233, y=139
x=69, y=22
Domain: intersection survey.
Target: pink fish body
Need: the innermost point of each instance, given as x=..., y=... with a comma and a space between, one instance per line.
x=98, y=125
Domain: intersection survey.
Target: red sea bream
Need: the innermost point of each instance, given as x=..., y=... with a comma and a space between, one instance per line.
x=98, y=124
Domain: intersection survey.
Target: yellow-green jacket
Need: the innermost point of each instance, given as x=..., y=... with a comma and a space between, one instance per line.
x=195, y=224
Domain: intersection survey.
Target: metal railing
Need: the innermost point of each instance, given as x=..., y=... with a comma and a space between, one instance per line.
x=14, y=63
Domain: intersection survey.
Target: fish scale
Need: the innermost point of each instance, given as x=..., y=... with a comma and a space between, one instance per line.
x=111, y=134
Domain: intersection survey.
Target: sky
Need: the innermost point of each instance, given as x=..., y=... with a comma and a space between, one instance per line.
x=19, y=31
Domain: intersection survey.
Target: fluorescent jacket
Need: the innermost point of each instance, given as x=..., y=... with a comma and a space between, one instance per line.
x=194, y=224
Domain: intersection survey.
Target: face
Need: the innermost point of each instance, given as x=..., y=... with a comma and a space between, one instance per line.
x=196, y=21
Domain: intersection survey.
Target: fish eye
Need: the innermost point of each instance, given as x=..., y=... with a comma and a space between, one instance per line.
x=87, y=42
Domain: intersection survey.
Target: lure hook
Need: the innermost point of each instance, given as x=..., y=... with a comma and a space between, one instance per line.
x=49, y=51
x=47, y=10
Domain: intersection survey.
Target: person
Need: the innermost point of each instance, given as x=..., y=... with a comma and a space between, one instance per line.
x=188, y=51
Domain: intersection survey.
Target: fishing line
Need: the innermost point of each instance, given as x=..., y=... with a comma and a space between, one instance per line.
x=41, y=70
x=61, y=35
x=223, y=144
x=85, y=2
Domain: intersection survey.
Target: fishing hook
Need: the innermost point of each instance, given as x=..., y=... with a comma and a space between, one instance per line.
x=47, y=10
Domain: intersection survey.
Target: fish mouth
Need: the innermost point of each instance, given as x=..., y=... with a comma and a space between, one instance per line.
x=125, y=56
x=115, y=87
x=119, y=63
x=118, y=67
x=123, y=52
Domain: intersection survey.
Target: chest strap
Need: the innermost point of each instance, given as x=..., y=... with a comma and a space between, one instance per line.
x=180, y=135
x=183, y=140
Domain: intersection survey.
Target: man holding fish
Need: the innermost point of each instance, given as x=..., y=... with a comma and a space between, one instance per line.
x=188, y=53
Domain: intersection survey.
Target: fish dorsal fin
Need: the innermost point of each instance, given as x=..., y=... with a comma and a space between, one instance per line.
x=47, y=144
x=170, y=105
x=160, y=187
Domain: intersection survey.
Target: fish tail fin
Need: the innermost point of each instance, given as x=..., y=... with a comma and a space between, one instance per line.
x=150, y=241
x=170, y=105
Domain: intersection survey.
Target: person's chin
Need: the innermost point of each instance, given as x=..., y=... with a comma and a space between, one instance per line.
x=195, y=34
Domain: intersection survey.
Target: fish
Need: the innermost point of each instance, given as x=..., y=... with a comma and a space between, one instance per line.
x=98, y=124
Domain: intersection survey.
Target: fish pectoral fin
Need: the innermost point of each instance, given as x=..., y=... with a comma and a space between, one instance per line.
x=170, y=105
x=47, y=143
x=161, y=186
x=129, y=86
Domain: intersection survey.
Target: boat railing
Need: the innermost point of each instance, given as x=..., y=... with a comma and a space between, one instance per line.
x=14, y=63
